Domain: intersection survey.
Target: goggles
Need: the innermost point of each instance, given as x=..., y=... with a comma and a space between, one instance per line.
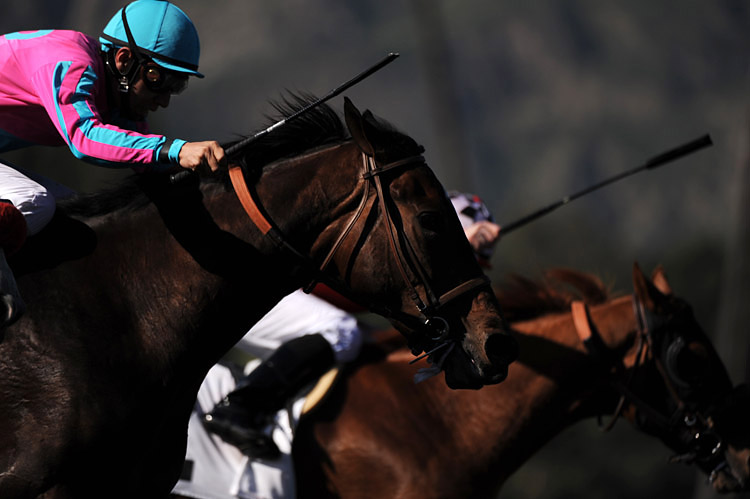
x=161, y=80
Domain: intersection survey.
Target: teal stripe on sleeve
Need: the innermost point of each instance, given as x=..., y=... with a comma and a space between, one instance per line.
x=174, y=150
x=28, y=36
x=58, y=75
x=101, y=135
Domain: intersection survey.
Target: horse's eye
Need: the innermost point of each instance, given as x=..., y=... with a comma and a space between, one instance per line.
x=431, y=221
x=687, y=363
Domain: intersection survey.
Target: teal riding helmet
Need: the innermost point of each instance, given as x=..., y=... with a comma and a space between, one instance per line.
x=159, y=30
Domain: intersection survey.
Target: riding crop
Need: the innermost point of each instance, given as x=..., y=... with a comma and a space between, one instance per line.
x=233, y=149
x=654, y=162
x=333, y=93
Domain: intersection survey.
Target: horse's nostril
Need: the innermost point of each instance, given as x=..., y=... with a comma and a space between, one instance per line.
x=501, y=348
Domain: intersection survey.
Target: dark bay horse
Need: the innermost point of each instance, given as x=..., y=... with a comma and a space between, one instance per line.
x=98, y=379
x=642, y=357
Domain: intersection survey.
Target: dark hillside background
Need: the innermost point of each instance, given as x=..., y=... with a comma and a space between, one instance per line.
x=522, y=103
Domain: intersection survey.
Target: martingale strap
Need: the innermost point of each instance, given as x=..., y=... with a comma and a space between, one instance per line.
x=259, y=219
x=247, y=200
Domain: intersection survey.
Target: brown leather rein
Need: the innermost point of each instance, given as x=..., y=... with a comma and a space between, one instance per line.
x=403, y=251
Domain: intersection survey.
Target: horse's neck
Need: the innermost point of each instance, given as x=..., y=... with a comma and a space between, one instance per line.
x=558, y=381
x=554, y=384
x=224, y=254
x=308, y=196
x=555, y=360
x=182, y=274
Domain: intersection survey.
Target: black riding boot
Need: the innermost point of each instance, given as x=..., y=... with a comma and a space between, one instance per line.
x=240, y=419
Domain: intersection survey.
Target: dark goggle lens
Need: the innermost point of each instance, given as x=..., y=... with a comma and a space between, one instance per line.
x=161, y=80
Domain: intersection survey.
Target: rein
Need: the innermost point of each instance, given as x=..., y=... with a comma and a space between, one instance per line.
x=700, y=438
x=405, y=256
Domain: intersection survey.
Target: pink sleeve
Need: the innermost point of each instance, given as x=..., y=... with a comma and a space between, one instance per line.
x=67, y=92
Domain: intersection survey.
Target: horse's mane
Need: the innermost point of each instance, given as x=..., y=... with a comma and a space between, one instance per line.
x=523, y=298
x=316, y=127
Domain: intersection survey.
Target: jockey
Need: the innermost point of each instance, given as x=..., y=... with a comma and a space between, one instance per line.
x=312, y=347
x=62, y=87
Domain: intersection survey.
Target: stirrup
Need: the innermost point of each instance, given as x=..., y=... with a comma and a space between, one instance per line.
x=227, y=424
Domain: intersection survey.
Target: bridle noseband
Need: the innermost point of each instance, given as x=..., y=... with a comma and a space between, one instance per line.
x=429, y=327
x=694, y=427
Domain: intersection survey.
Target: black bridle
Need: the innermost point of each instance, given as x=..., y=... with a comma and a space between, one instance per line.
x=430, y=329
x=692, y=426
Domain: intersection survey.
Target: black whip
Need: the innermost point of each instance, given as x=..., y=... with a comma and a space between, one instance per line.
x=656, y=161
x=333, y=93
x=233, y=149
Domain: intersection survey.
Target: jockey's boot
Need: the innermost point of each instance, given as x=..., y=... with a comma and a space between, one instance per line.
x=242, y=418
x=12, y=237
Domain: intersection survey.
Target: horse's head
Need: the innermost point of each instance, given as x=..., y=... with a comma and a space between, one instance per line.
x=426, y=278
x=363, y=213
x=683, y=393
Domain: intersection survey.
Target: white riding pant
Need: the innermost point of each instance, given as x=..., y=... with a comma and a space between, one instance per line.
x=298, y=314
x=218, y=470
x=35, y=199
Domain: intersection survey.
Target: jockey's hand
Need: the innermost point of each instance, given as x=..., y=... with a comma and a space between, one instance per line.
x=483, y=235
x=201, y=155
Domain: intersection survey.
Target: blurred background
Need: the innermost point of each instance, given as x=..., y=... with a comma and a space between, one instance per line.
x=522, y=103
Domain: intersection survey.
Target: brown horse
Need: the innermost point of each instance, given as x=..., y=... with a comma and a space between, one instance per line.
x=98, y=379
x=642, y=357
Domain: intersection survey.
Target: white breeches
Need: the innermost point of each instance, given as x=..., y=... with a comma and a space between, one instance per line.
x=34, y=200
x=298, y=314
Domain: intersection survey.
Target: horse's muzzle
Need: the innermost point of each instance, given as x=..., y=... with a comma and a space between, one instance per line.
x=501, y=350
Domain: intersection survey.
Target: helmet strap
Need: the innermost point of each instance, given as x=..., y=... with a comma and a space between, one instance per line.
x=124, y=79
x=124, y=82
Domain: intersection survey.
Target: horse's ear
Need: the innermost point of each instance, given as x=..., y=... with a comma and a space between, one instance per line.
x=646, y=291
x=356, y=125
x=659, y=277
x=369, y=119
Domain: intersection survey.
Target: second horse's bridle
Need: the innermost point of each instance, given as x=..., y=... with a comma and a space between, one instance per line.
x=693, y=426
